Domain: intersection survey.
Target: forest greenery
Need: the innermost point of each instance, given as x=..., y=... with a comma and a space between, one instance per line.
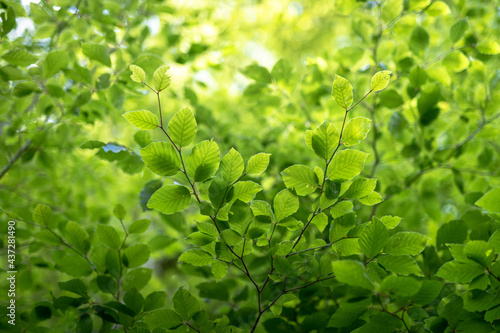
x=250, y=166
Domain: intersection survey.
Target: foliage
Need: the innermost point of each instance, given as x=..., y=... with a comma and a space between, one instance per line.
x=248, y=199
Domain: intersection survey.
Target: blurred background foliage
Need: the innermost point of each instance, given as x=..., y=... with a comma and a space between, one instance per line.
x=257, y=74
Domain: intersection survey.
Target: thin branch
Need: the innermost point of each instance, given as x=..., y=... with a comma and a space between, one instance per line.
x=13, y=160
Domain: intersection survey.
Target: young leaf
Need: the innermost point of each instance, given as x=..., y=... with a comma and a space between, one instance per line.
x=77, y=237
x=165, y=319
x=203, y=161
x=42, y=215
x=347, y=164
x=341, y=226
x=355, y=131
x=342, y=92
x=406, y=242
x=456, y=272
x=182, y=127
x=108, y=236
x=400, y=285
x=170, y=199
x=401, y=265
x=75, y=286
x=136, y=255
x=155, y=300
x=488, y=47
x=119, y=212
x=161, y=158
x=371, y=199
x=143, y=119
x=54, y=62
x=325, y=139
x=161, y=79
x=285, y=204
x=320, y=221
x=138, y=74
x=219, y=270
x=97, y=52
x=185, y=304
x=301, y=178
x=390, y=222
x=232, y=166
x=380, y=80
x=196, y=257
x=373, y=238
x=352, y=273
x=458, y=29
x=490, y=201
x=139, y=226
x=19, y=57
x=258, y=163
x=361, y=188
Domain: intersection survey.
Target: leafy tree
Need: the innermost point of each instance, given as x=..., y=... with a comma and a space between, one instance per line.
x=237, y=200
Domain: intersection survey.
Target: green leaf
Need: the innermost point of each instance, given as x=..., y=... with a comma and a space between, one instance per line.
x=77, y=237
x=142, y=138
x=406, y=242
x=361, y=188
x=419, y=40
x=246, y=190
x=185, y=304
x=373, y=238
x=231, y=237
x=203, y=161
x=488, y=47
x=107, y=284
x=301, y=178
x=371, y=199
x=260, y=207
x=418, y=5
x=42, y=214
x=240, y=217
x=219, y=270
x=457, y=272
x=352, y=273
x=142, y=119
x=108, y=236
x=347, y=164
x=285, y=204
x=341, y=225
x=490, y=201
x=458, y=29
x=162, y=319
x=161, y=79
x=75, y=286
x=92, y=144
x=119, y=212
x=355, y=131
x=19, y=58
x=46, y=236
x=418, y=76
x=139, y=226
x=136, y=255
x=137, y=278
x=258, y=163
x=325, y=139
x=401, y=265
x=97, y=52
x=437, y=8
x=155, y=300
x=133, y=300
x=161, y=158
x=380, y=80
x=342, y=92
x=428, y=292
x=320, y=221
x=54, y=62
x=182, y=127
x=196, y=258
x=341, y=208
x=200, y=239
x=170, y=199
x=138, y=74
x=232, y=166
x=400, y=285
x=456, y=61
x=390, y=222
